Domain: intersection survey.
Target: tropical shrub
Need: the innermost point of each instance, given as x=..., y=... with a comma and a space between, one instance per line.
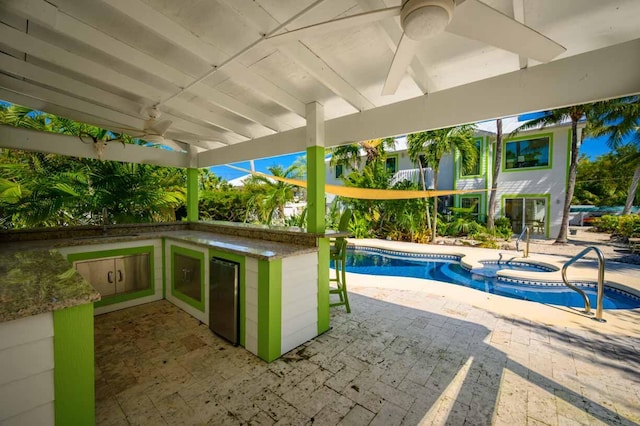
x=502, y=227
x=626, y=226
x=629, y=226
x=606, y=223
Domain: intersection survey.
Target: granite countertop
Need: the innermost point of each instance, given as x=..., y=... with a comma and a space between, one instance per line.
x=261, y=249
x=37, y=280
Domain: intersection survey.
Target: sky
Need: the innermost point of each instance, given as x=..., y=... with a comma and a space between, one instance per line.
x=592, y=147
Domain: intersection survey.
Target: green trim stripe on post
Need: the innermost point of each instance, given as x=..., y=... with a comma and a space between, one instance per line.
x=198, y=304
x=73, y=373
x=192, y=195
x=119, y=298
x=242, y=311
x=315, y=223
x=323, y=290
x=269, y=309
x=315, y=189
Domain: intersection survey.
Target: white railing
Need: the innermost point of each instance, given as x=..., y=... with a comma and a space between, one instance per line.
x=413, y=175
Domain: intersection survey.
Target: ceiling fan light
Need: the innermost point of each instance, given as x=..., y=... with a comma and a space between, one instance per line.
x=424, y=19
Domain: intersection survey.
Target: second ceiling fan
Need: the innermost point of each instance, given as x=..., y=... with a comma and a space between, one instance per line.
x=422, y=19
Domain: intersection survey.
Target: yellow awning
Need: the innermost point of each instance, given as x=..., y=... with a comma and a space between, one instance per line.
x=369, y=193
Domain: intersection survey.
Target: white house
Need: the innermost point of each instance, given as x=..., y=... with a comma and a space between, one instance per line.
x=531, y=185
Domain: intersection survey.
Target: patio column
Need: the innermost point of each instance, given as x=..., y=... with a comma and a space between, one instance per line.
x=316, y=205
x=192, y=187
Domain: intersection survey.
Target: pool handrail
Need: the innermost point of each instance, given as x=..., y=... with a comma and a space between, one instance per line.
x=526, y=250
x=600, y=296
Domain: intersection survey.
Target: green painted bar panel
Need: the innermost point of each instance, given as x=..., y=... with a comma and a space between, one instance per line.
x=73, y=355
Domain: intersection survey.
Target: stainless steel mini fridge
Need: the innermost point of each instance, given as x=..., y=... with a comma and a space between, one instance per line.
x=224, y=299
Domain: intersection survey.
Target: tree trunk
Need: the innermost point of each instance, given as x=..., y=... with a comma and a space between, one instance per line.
x=424, y=188
x=632, y=191
x=435, y=207
x=573, y=171
x=497, y=158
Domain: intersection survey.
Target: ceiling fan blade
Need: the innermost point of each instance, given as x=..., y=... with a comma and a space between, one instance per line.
x=477, y=21
x=401, y=59
x=160, y=127
x=335, y=24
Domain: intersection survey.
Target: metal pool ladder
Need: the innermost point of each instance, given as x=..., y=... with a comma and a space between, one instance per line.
x=526, y=249
x=587, y=304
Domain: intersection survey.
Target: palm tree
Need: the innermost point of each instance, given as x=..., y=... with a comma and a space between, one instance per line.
x=621, y=120
x=497, y=156
x=592, y=113
x=276, y=193
x=349, y=155
x=435, y=144
x=415, y=145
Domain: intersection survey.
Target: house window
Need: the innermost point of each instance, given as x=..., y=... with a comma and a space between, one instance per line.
x=392, y=164
x=527, y=153
x=339, y=171
x=475, y=171
x=531, y=212
x=471, y=202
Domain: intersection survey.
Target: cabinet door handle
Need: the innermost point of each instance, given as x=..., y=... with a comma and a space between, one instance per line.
x=110, y=277
x=119, y=275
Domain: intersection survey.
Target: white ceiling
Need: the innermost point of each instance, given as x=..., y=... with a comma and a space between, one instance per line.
x=235, y=96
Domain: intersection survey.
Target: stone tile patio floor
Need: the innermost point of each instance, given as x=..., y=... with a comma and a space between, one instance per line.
x=396, y=359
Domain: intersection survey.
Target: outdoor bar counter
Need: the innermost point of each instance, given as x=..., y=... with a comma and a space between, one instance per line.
x=47, y=307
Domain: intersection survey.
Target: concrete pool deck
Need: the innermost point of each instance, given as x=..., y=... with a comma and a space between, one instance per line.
x=621, y=275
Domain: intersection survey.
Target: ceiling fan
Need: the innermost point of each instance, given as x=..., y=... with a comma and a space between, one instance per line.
x=155, y=129
x=422, y=19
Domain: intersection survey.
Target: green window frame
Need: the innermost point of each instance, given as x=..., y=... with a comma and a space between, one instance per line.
x=533, y=152
x=339, y=170
x=391, y=163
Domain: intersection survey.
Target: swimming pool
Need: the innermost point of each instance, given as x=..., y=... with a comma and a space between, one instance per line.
x=447, y=269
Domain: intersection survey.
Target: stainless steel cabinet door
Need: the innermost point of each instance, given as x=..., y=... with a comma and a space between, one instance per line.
x=187, y=278
x=100, y=275
x=132, y=273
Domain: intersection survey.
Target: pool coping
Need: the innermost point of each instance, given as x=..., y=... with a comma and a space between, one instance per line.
x=471, y=257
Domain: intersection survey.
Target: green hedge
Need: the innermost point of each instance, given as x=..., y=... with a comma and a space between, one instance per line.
x=627, y=226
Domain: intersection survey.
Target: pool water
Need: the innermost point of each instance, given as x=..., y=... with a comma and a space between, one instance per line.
x=450, y=271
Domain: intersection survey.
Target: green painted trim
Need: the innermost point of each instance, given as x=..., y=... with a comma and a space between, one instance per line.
x=480, y=161
x=198, y=304
x=568, y=157
x=269, y=309
x=521, y=138
x=105, y=254
x=316, y=180
x=192, y=195
x=73, y=372
x=240, y=260
x=488, y=171
x=164, y=269
x=119, y=298
x=397, y=157
x=323, y=285
x=456, y=198
x=547, y=198
x=98, y=254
